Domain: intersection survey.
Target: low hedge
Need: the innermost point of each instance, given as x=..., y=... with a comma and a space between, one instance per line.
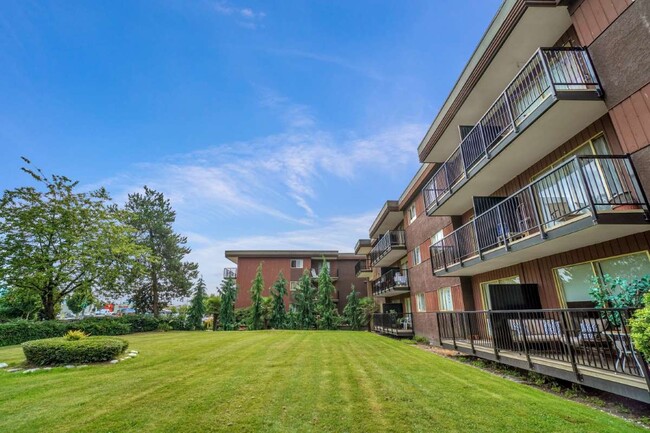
x=59, y=351
x=19, y=331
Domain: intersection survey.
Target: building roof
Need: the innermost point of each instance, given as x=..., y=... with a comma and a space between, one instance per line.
x=233, y=255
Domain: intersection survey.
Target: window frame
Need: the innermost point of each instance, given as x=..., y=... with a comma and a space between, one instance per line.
x=291, y=263
x=421, y=302
x=417, y=256
x=441, y=299
x=412, y=213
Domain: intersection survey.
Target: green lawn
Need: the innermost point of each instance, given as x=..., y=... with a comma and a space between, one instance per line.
x=286, y=381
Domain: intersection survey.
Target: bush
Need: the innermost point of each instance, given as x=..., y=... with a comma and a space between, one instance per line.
x=141, y=323
x=19, y=331
x=101, y=326
x=75, y=335
x=640, y=328
x=58, y=351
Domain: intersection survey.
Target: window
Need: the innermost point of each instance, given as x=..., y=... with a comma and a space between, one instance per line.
x=437, y=237
x=445, y=301
x=485, y=289
x=293, y=286
x=417, y=258
x=296, y=263
x=421, y=303
x=412, y=213
x=575, y=281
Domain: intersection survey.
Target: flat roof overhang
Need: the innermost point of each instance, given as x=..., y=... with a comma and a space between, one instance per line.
x=579, y=233
x=396, y=252
x=553, y=123
x=365, y=273
x=389, y=217
x=233, y=255
x=539, y=26
x=363, y=246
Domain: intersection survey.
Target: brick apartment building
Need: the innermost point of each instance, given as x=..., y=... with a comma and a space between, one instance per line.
x=292, y=264
x=533, y=181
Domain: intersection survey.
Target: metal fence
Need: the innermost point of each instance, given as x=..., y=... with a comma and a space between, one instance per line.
x=386, y=243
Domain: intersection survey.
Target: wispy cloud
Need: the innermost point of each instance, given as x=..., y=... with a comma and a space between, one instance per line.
x=244, y=16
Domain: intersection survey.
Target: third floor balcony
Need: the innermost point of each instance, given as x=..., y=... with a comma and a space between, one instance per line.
x=554, y=96
x=391, y=283
x=389, y=248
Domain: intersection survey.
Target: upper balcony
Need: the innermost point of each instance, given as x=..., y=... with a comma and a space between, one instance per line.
x=553, y=97
x=230, y=272
x=581, y=202
x=363, y=269
x=390, y=248
x=392, y=283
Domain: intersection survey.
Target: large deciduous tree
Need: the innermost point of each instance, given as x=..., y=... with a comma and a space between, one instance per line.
x=257, y=286
x=197, y=306
x=328, y=317
x=228, y=291
x=167, y=276
x=55, y=240
x=278, y=318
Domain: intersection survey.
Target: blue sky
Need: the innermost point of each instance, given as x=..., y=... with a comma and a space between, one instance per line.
x=280, y=124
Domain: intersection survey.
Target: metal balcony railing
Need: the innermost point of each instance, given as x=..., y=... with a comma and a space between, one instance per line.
x=362, y=265
x=393, y=323
x=584, y=337
x=551, y=71
x=580, y=186
x=388, y=241
x=230, y=272
x=391, y=280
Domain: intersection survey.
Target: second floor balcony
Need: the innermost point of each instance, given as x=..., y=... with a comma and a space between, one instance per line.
x=389, y=248
x=583, y=201
x=392, y=283
x=554, y=96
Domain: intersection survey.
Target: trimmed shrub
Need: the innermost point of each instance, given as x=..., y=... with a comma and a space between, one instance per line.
x=58, y=351
x=141, y=323
x=101, y=326
x=18, y=331
x=75, y=335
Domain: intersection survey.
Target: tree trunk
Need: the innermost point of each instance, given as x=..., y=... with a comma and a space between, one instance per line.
x=48, y=306
x=154, y=295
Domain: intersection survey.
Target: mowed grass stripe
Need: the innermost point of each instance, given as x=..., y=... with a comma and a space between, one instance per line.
x=282, y=381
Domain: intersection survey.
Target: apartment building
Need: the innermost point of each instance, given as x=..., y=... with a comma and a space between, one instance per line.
x=533, y=181
x=292, y=264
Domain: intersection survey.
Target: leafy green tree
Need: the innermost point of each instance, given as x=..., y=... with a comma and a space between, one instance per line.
x=197, y=307
x=353, y=313
x=213, y=308
x=19, y=304
x=55, y=240
x=328, y=317
x=79, y=300
x=305, y=304
x=167, y=276
x=369, y=307
x=257, y=319
x=278, y=318
x=228, y=292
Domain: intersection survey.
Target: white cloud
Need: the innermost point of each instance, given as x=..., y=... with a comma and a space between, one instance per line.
x=245, y=16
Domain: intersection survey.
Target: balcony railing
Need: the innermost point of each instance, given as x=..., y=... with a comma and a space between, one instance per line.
x=583, y=185
x=388, y=241
x=398, y=324
x=395, y=279
x=551, y=71
x=230, y=272
x=362, y=265
x=315, y=272
x=587, y=339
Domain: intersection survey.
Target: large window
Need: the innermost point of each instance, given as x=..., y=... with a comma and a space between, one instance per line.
x=575, y=281
x=412, y=213
x=296, y=263
x=485, y=289
x=421, y=303
x=437, y=237
x=445, y=301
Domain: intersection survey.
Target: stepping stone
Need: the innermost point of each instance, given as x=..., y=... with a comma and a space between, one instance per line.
x=83, y=366
x=47, y=368
x=14, y=370
x=69, y=366
x=114, y=361
x=31, y=370
x=4, y=365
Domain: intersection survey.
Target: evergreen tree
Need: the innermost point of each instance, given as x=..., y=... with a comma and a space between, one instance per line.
x=257, y=315
x=228, y=291
x=305, y=302
x=328, y=317
x=168, y=276
x=197, y=306
x=278, y=312
x=353, y=313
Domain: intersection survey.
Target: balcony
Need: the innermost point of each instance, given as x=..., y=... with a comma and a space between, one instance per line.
x=315, y=272
x=552, y=98
x=587, y=346
x=392, y=283
x=229, y=273
x=396, y=324
x=583, y=201
x=363, y=269
x=390, y=248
